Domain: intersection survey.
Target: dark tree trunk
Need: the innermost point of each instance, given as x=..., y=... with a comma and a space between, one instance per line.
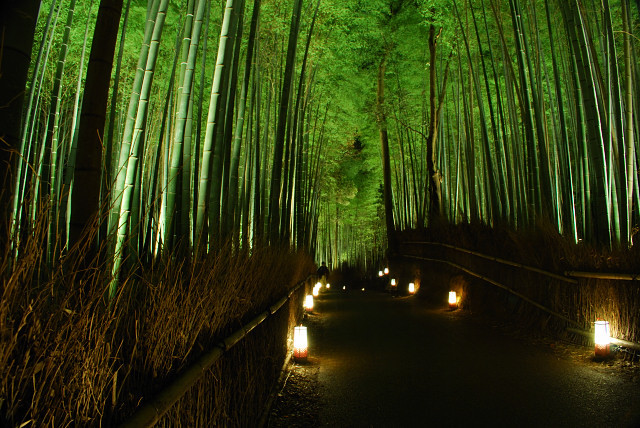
x=17, y=29
x=85, y=200
x=436, y=103
x=386, y=162
x=276, y=176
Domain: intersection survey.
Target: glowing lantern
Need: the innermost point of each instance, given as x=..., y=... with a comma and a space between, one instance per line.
x=300, y=348
x=363, y=289
x=453, y=300
x=380, y=273
x=393, y=282
x=308, y=303
x=386, y=271
x=316, y=291
x=328, y=286
x=412, y=288
x=602, y=338
x=344, y=287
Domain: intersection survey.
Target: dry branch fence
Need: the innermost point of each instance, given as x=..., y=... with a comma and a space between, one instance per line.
x=67, y=358
x=574, y=298
x=152, y=412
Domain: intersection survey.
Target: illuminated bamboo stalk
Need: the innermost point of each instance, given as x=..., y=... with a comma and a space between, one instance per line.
x=137, y=146
x=72, y=144
x=566, y=164
x=500, y=137
x=180, y=163
x=631, y=170
x=197, y=152
x=257, y=224
x=124, y=148
x=469, y=150
x=226, y=134
x=283, y=114
x=292, y=182
x=492, y=190
x=156, y=195
x=581, y=42
x=107, y=174
x=237, y=138
x=206, y=165
x=499, y=199
x=52, y=171
x=533, y=166
x=514, y=154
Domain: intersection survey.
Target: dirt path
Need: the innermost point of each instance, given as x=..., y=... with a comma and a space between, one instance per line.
x=378, y=361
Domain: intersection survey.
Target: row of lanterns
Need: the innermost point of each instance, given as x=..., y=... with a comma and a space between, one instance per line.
x=602, y=337
x=394, y=283
x=300, y=343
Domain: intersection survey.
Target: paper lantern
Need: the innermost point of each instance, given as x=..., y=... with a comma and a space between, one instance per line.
x=300, y=347
x=602, y=338
x=453, y=300
x=316, y=291
x=393, y=282
x=386, y=271
x=380, y=273
x=308, y=303
x=412, y=288
x=328, y=286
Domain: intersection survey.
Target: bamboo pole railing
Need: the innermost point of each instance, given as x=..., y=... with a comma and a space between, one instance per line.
x=604, y=275
x=150, y=413
x=575, y=274
x=615, y=341
x=496, y=259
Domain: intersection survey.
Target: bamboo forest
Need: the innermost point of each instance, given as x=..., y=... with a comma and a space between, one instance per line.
x=166, y=162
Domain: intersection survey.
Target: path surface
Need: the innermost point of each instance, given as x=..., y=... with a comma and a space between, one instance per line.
x=390, y=362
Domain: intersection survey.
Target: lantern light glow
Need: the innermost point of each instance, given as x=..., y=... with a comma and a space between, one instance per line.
x=412, y=288
x=308, y=303
x=602, y=338
x=453, y=300
x=300, y=345
x=328, y=286
x=393, y=282
x=386, y=271
x=380, y=273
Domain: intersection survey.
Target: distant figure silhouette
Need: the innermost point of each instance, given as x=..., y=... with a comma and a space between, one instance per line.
x=323, y=272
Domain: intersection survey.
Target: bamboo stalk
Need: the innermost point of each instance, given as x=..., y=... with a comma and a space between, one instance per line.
x=605, y=275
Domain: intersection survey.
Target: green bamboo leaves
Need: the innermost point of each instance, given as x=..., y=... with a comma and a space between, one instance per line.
x=521, y=112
